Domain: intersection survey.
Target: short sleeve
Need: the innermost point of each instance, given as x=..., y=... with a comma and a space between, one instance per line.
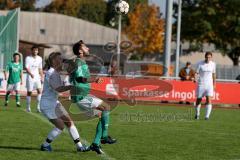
x=55, y=81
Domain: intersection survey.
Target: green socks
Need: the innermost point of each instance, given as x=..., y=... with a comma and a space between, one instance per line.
x=98, y=135
x=18, y=98
x=7, y=97
x=105, y=123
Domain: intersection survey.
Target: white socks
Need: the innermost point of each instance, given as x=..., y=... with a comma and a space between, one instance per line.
x=52, y=135
x=38, y=102
x=198, y=107
x=208, y=110
x=75, y=135
x=28, y=103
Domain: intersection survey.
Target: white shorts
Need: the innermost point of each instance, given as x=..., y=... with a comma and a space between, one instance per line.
x=89, y=104
x=33, y=85
x=52, y=110
x=206, y=90
x=14, y=87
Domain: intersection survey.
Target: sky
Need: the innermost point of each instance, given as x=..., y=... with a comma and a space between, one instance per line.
x=160, y=3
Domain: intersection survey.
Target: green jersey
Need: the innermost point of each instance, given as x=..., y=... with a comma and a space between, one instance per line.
x=83, y=89
x=15, y=70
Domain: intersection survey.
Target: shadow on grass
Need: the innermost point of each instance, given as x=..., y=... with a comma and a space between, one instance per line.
x=20, y=148
x=33, y=149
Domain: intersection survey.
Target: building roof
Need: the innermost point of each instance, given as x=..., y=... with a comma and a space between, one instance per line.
x=52, y=28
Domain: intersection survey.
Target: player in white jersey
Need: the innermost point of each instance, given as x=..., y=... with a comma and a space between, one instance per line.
x=206, y=75
x=53, y=109
x=33, y=65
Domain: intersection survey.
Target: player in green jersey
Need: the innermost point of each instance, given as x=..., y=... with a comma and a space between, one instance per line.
x=80, y=78
x=13, y=75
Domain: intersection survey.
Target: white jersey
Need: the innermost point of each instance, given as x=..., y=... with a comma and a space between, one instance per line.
x=205, y=71
x=49, y=96
x=33, y=64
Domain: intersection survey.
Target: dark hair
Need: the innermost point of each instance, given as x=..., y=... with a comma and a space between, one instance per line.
x=77, y=46
x=51, y=57
x=16, y=54
x=208, y=53
x=188, y=63
x=35, y=46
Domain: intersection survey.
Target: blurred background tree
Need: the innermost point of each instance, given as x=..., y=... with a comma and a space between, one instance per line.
x=146, y=30
x=67, y=7
x=93, y=10
x=216, y=22
x=26, y=5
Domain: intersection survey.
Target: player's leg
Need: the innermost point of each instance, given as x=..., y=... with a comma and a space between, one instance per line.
x=209, y=94
x=39, y=94
x=17, y=94
x=89, y=104
x=105, y=116
x=64, y=116
x=197, y=108
x=53, y=134
x=28, y=100
x=29, y=86
x=7, y=96
x=200, y=92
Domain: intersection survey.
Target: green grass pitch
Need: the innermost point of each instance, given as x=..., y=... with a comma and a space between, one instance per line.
x=143, y=132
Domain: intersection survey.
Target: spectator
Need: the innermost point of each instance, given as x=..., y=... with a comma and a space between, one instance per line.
x=187, y=74
x=113, y=69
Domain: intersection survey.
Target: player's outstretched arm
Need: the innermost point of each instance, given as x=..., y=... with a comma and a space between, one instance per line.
x=63, y=88
x=86, y=80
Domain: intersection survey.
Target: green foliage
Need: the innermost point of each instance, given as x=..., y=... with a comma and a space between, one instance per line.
x=215, y=21
x=26, y=5
x=93, y=10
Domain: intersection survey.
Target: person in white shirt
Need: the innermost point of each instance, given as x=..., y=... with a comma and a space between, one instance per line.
x=206, y=76
x=33, y=65
x=53, y=110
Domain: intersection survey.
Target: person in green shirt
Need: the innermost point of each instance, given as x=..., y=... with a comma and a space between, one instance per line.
x=81, y=80
x=13, y=75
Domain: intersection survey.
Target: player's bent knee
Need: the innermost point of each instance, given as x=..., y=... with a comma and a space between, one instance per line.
x=105, y=106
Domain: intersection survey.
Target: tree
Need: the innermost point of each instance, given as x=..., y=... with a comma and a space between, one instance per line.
x=67, y=7
x=26, y=5
x=146, y=29
x=93, y=10
x=215, y=21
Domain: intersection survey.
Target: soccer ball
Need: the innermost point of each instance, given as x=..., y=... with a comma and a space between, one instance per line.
x=122, y=7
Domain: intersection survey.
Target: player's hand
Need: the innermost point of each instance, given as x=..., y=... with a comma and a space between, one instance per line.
x=42, y=80
x=32, y=75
